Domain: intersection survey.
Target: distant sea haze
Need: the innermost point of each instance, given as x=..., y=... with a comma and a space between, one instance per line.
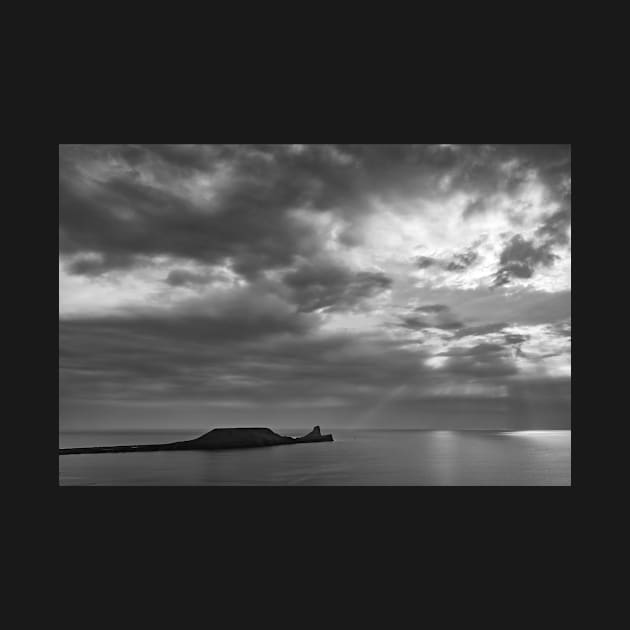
x=357, y=457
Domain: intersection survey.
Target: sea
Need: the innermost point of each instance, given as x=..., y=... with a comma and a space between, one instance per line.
x=355, y=458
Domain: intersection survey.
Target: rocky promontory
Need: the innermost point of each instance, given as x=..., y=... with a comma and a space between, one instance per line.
x=217, y=439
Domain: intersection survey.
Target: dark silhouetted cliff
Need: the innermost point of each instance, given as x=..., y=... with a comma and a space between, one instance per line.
x=216, y=439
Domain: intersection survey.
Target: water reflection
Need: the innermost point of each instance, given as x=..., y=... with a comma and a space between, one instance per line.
x=440, y=458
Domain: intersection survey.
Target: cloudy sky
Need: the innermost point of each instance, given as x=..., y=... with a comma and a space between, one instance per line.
x=284, y=285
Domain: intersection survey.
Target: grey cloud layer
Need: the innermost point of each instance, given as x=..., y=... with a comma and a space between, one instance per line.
x=458, y=262
x=139, y=357
x=431, y=316
x=216, y=206
x=521, y=258
x=136, y=207
x=329, y=286
x=133, y=358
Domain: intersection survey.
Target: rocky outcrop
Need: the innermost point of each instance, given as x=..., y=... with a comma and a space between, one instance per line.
x=216, y=439
x=315, y=436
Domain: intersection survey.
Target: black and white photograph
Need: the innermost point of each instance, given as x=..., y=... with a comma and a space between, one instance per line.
x=314, y=315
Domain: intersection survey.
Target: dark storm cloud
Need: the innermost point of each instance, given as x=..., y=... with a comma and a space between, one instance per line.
x=130, y=213
x=431, y=316
x=329, y=286
x=123, y=201
x=482, y=349
x=478, y=169
x=516, y=339
x=555, y=228
x=563, y=328
x=478, y=206
x=553, y=164
x=486, y=329
x=458, y=262
x=486, y=167
x=521, y=258
x=424, y=262
x=264, y=182
x=160, y=223
x=462, y=261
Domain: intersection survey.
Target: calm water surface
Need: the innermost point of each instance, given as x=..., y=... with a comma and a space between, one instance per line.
x=439, y=458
